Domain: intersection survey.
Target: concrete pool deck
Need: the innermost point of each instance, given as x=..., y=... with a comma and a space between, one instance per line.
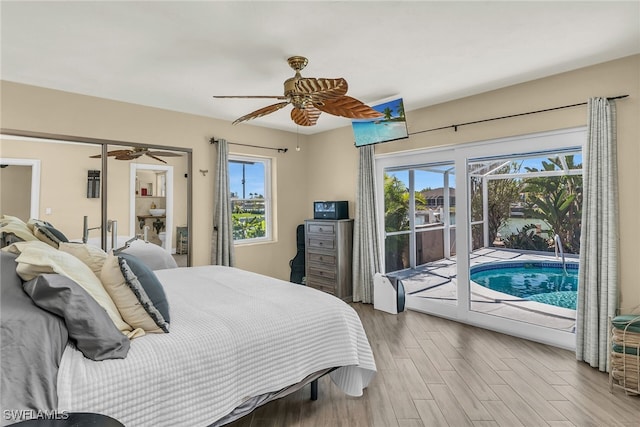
x=437, y=281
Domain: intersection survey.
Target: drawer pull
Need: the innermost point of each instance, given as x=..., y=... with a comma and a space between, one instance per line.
x=320, y=229
x=321, y=259
x=320, y=243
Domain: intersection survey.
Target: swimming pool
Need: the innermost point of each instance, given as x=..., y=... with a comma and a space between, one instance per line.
x=544, y=282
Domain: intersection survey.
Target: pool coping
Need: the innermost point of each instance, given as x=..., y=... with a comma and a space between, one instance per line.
x=447, y=292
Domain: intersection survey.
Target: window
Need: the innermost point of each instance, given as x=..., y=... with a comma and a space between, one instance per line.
x=250, y=185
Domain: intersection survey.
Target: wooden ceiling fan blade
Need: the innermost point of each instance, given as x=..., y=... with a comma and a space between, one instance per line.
x=148, y=153
x=348, y=107
x=114, y=153
x=261, y=112
x=250, y=96
x=164, y=153
x=320, y=89
x=307, y=116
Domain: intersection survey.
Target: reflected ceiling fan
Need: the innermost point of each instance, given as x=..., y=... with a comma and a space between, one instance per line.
x=137, y=152
x=310, y=97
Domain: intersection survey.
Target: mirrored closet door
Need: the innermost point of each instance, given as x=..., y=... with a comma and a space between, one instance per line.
x=61, y=180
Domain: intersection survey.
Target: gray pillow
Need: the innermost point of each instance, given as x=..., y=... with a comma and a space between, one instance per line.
x=152, y=255
x=8, y=239
x=89, y=325
x=33, y=341
x=49, y=234
x=150, y=283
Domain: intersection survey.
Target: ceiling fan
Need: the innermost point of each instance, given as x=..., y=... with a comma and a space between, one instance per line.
x=137, y=152
x=310, y=97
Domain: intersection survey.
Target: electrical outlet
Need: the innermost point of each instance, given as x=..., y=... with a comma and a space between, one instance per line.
x=47, y=211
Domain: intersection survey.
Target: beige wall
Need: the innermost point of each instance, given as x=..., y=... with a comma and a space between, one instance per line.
x=326, y=166
x=333, y=170
x=55, y=112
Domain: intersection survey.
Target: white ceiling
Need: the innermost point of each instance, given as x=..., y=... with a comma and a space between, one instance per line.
x=176, y=55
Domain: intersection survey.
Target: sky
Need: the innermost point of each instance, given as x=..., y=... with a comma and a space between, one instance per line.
x=254, y=178
x=424, y=180
x=433, y=180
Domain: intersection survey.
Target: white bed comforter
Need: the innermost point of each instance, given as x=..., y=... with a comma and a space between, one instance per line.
x=233, y=335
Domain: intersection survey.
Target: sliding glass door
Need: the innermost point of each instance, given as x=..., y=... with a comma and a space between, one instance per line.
x=419, y=230
x=525, y=246
x=455, y=217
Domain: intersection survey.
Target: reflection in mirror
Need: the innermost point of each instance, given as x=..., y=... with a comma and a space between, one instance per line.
x=15, y=185
x=71, y=186
x=63, y=185
x=143, y=186
x=19, y=187
x=158, y=201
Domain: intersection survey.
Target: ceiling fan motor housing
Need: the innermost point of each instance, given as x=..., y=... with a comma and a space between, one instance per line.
x=291, y=91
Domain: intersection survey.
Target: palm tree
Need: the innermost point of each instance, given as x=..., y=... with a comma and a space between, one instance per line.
x=396, y=218
x=501, y=193
x=558, y=201
x=387, y=113
x=396, y=204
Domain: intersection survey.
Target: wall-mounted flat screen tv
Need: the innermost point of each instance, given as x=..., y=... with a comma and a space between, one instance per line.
x=384, y=129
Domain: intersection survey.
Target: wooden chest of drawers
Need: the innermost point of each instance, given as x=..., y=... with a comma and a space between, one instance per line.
x=328, y=256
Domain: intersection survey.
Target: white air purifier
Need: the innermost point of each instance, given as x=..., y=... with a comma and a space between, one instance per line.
x=388, y=294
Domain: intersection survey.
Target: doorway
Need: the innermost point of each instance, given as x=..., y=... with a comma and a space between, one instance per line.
x=20, y=188
x=151, y=204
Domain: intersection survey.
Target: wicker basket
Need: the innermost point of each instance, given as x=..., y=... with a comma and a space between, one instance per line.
x=624, y=341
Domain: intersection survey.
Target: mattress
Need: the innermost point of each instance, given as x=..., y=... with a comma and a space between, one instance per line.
x=234, y=335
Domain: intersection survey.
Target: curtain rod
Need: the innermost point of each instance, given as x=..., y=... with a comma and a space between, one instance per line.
x=455, y=127
x=279, y=150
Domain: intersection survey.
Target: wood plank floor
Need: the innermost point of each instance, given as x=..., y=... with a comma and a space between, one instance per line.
x=436, y=372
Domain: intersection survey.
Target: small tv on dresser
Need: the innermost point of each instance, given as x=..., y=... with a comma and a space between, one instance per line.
x=331, y=210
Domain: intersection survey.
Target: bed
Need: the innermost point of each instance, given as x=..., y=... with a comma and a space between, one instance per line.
x=236, y=340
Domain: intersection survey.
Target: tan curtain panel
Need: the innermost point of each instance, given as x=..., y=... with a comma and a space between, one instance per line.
x=598, y=274
x=366, y=246
x=222, y=239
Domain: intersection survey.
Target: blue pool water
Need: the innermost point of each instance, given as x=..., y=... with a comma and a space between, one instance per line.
x=543, y=282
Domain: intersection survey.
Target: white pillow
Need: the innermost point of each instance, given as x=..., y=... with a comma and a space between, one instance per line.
x=15, y=226
x=130, y=297
x=92, y=256
x=39, y=258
